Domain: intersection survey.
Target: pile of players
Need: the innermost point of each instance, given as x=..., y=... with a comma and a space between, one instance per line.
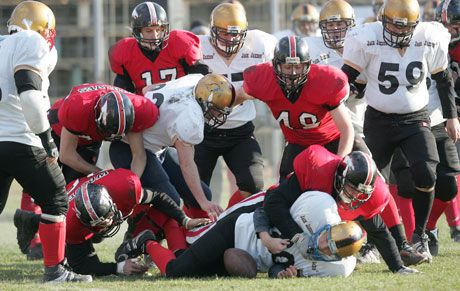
x=381, y=91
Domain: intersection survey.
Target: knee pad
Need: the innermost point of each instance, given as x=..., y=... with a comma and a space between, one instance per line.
x=423, y=174
x=58, y=205
x=446, y=188
x=250, y=183
x=405, y=183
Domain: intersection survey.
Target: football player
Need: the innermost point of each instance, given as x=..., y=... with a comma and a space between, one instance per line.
x=155, y=54
x=28, y=152
x=304, y=20
x=228, y=50
x=98, y=204
x=396, y=56
x=329, y=243
x=355, y=184
x=184, y=105
x=308, y=111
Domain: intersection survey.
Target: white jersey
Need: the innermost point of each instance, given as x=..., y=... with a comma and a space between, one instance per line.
x=180, y=115
x=24, y=49
x=258, y=47
x=397, y=84
x=312, y=210
x=288, y=32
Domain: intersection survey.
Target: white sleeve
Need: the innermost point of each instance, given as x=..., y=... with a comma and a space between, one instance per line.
x=270, y=44
x=32, y=52
x=188, y=126
x=439, y=59
x=354, y=51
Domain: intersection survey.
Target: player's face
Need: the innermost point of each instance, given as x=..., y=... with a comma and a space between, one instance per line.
x=323, y=245
x=336, y=32
x=150, y=33
x=399, y=28
x=307, y=28
x=454, y=30
x=293, y=70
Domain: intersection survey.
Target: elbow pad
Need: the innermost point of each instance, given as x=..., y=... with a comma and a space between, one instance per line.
x=446, y=92
x=351, y=73
x=35, y=109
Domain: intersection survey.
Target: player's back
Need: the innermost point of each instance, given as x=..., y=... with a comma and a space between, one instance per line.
x=180, y=115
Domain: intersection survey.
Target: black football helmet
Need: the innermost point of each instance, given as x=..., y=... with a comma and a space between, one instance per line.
x=114, y=114
x=291, y=50
x=150, y=14
x=95, y=210
x=448, y=13
x=354, y=180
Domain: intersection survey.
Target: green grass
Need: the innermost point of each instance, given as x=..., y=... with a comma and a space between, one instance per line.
x=16, y=273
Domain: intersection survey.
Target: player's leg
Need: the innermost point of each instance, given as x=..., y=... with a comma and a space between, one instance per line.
x=290, y=152
x=206, y=155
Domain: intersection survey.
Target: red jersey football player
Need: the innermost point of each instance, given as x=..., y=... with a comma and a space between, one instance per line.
x=306, y=99
x=154, y=54
x=90, y=114
x=356, y=185
x=99, y=203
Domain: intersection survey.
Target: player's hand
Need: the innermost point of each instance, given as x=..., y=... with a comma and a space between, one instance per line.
x=49, y=145
x=131, y=267
x=274, y=245
x=212, y=209
x=190, y=223
x=289, y=272
x=453, y=129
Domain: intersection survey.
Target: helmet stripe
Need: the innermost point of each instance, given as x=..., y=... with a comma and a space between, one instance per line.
x=370, y=169
x=121, y=113
x=87, y=202
x=153, y=13
x=444, y=11
x=292, y=46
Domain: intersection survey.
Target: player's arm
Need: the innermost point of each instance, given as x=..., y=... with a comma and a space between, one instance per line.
x=189, y=170
x=82, y=259
x=124, y=81
x=262, y=229
x=342, y=120
x=69, y=155
x=136, y=144
x=380, y=236
x=242, y=96
x=277, y=203
x=197, y=68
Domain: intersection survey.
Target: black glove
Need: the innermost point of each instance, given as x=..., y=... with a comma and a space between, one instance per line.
x=134, y=247
x=48, y=143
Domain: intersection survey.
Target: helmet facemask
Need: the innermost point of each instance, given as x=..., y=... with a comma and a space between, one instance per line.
x=334, y=31
x=153, y=44
x=214, y=116
x=397, y=33
x=228, y=40
x=314, y=251
x=292, y=74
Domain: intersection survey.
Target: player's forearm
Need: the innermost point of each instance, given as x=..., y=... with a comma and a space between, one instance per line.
x=82, y=259
x=446, y=92
x=345, y=142
x=138, y=164
x=76, y=162
x=191, y=175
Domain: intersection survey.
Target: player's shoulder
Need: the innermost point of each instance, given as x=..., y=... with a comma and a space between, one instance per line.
x=28, y=42
x=121, y=48
x=326, y=73
x=178, y=36
x=365, y=32
x=431, y=32
x=258, y=70
x=257, y=35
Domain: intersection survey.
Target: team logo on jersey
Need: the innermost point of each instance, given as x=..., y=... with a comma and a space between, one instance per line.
x=208, y=57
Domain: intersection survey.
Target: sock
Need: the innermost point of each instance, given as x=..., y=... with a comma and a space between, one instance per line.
x=407, y=213
x=194, y=212
x=28, y=204
x=175, y=235
x=422, y=203
x=393, y=190
x=390, y=214
x=160, y=256
x=53, y=242
x=452, y=212
x=438, y=208
x=397, y=232
x=235, y=198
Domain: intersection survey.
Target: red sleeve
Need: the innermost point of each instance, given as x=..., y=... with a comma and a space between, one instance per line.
x=145, y=113
x=187, y=46
x=338, y=90
x=251, y=81
x=116, y=56
x=71, y=114
x=124, y=188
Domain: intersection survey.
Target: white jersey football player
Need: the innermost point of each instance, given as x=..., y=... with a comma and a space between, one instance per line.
x=396, y=55
x=27, y=150
x=184, y=105
x=335, y=18
x=229, y=50
x=304, y=20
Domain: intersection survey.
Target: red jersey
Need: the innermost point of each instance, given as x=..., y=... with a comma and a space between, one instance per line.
x=315, y=170
x=305, y=121
x=127, y=57
x=123, y=186
x=454, y=53
x=76, y=112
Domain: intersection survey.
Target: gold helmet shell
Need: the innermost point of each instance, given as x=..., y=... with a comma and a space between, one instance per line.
x=335, y=18
x=305, y=20
x=228, y=28
x=346, y=239
x=403, y=15
x=216, y=96
x=36, y=16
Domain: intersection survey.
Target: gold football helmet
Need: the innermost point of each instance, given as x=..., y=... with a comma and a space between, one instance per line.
x=305, y=19
x=36, y=16
x=228, y=28
x=345, y=239
x=216, y=95
x=399, y=19
x=335, y=18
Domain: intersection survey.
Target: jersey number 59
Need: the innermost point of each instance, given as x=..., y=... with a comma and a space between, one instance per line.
x=386, y=78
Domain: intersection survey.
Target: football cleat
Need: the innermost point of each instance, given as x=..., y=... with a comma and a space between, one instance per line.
x=410, y=256
x=433, y=244
x=420, y=244
x=35, y=253
x=455, y=233
x=406, y=271
x=134, y=247
x=62, y=273
x=27, y=223
x=368, y=254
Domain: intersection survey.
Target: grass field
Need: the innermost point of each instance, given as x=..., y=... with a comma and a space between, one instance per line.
x=16, y=273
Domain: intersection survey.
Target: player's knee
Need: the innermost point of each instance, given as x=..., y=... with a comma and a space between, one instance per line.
x=424, y=175
x=405, y=183
x=57, y=205
x=446, y=188
x=251, y=184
